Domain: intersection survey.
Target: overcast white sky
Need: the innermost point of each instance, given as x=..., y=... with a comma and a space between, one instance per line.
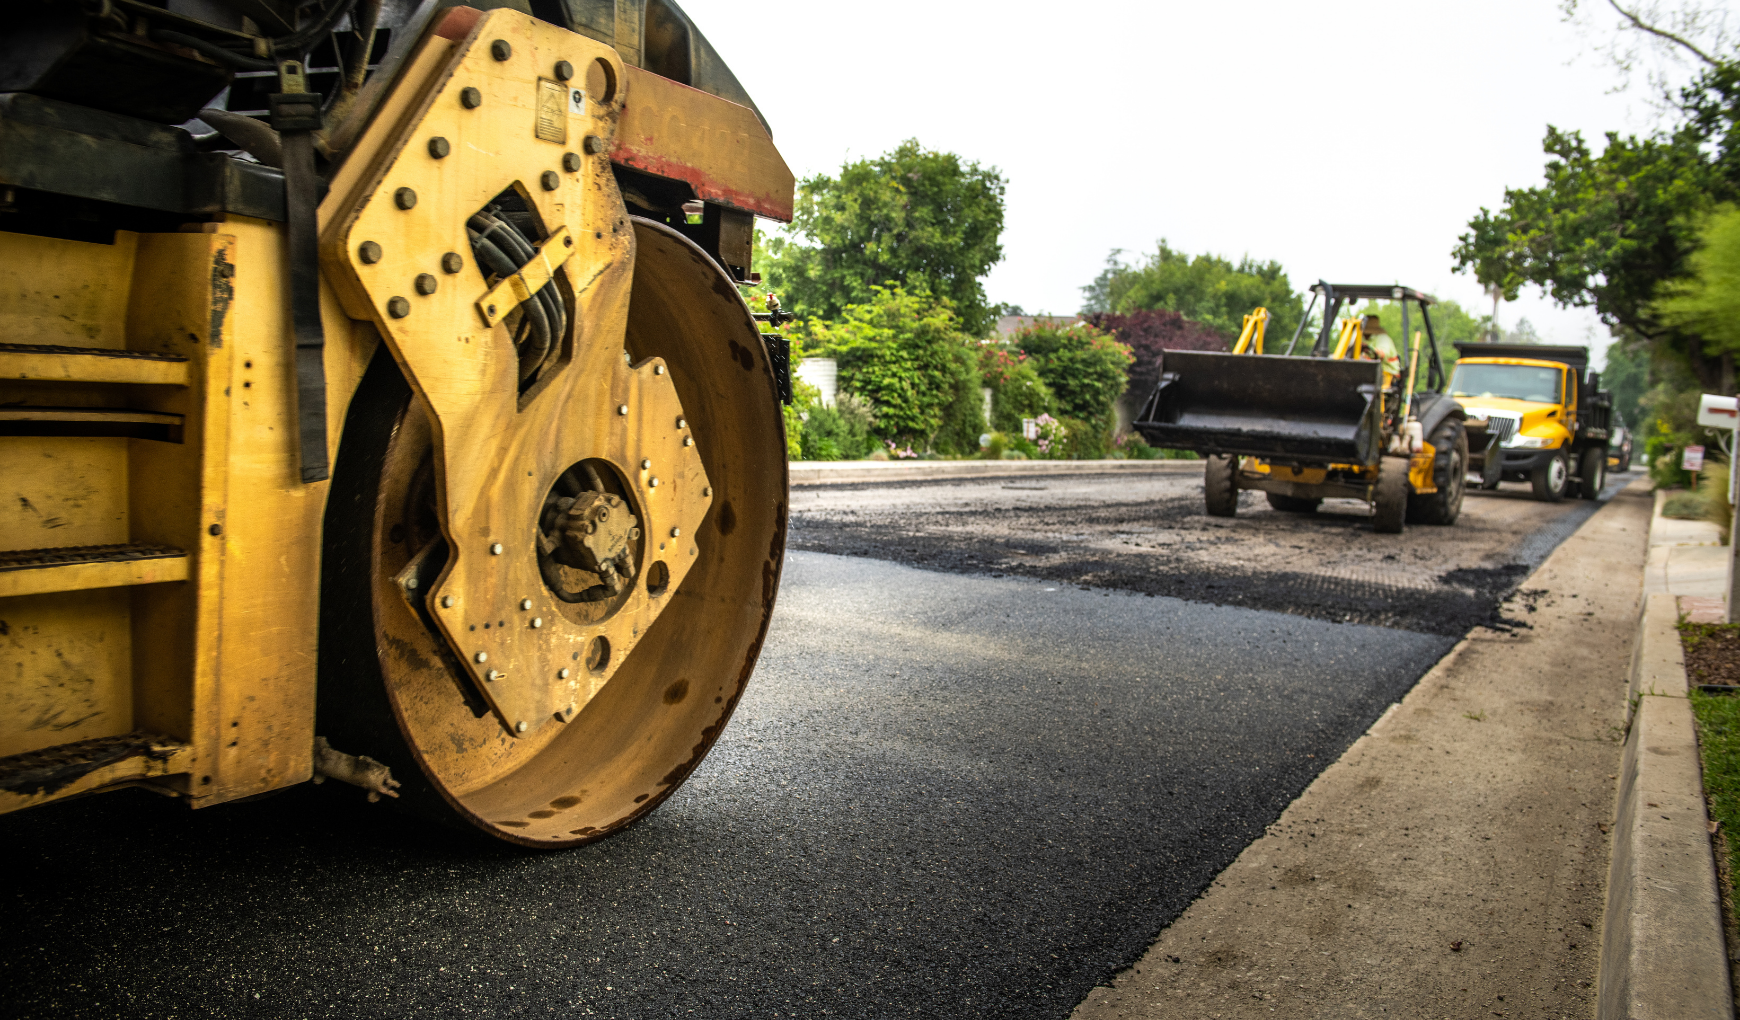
x=1349, y=139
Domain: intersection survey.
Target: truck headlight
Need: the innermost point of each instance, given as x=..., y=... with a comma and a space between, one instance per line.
x=1528, y=442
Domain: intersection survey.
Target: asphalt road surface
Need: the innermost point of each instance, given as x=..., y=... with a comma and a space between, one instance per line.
x=1149, y=534
x=946, y=793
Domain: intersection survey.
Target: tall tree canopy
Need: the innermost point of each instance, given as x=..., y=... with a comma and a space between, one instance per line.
x=1605, y=231
x=1208, y=289
x=922, y=220
x=1615, y=229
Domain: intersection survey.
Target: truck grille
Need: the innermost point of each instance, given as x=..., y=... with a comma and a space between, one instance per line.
x=1501, y=427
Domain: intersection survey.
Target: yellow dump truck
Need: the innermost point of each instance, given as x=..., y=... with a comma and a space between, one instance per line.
x=1536, y=414
x=378, y=404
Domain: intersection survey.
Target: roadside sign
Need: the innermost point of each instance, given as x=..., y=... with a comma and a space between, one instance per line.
x=1692, y=459
x=1718, y=412
x=1030, y=428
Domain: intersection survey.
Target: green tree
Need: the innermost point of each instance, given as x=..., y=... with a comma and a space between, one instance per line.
x=1605, y=231
x=1615, y=230
x=1209, y=289
x=905, y=352
x=1706, y=304
x=924, y=220
x=1627, y=378
x=1085, y=368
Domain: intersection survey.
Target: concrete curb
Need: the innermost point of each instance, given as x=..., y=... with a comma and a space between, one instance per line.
x=842, y=472
x=1662, y=949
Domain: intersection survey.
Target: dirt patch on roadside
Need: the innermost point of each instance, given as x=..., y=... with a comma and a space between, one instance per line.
x=1712, y=653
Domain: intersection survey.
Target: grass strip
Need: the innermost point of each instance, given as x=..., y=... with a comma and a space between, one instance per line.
x=1712, y=654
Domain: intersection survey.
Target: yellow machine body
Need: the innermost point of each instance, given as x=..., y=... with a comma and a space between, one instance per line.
x=1554, y=423
x=160, y=556
x=1355, y=481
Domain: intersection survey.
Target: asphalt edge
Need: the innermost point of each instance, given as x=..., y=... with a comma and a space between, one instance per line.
x=1663, y=953
x=857, y=472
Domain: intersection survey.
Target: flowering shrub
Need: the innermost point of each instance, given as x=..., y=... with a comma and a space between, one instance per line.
x=1017, y=391
x=1051, y=438
x=1132, y=446
x=900, y=453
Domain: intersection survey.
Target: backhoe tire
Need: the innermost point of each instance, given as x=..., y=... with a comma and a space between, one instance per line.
x=1389, y=508
x=1293, y=504
x=1449, y=474
x=1593, y=471
x=1220, y=492
x=1551, y=478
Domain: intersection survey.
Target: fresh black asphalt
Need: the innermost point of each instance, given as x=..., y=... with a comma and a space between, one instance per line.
x=944, y=795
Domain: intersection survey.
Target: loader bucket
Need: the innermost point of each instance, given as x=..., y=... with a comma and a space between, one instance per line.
x=1270, y=406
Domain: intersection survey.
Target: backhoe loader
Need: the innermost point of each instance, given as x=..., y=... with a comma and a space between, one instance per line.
x=378, y=404
x=1331, y=424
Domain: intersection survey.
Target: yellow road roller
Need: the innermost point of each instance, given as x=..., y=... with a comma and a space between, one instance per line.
x=378, y=403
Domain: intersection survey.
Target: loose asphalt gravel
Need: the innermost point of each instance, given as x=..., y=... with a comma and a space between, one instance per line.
x=945, y=793
x=1149, y=534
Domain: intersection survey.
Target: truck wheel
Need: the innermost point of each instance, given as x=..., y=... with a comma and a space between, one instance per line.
x=1594, y=472
x=1551, y=478
x=1449, y=474
x=1293, y=504
x=1389, y=507
x=1219, y=492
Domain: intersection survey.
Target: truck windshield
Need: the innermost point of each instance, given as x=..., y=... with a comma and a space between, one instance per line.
x=1518, y=382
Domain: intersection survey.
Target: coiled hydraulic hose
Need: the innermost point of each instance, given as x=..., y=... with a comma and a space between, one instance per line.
x=502, y=249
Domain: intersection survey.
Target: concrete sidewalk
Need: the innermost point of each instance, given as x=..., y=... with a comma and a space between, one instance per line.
x=858, y=472
x=1687, y=559
x=1453, y=862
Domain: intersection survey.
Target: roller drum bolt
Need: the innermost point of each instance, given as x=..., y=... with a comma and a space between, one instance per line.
x=425, y=284
x=405, y=198
x=594, y=145
x=500, y=49
x=571, y=161
x=470, y=98
x=564, y=70
x=439, y=148
x=369, y=252
x=398, y=307
x=550, y=180
x=451, y=263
